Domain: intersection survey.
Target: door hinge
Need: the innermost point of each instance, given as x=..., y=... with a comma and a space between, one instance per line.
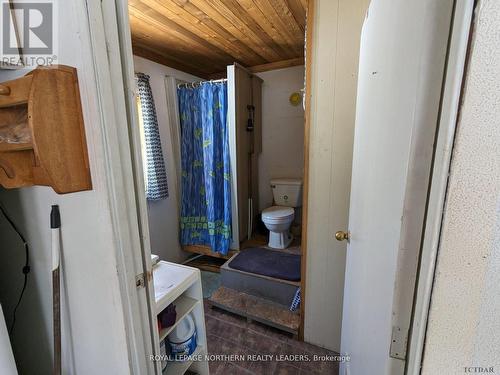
x=399, y=341
x=140, y=280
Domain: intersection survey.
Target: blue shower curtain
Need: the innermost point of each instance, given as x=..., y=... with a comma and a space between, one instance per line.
x=206, y=174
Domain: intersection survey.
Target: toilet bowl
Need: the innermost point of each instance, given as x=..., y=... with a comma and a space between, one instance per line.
x=278, y=220
x=287, y=194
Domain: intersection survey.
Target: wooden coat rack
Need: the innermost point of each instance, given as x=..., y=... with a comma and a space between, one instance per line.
x=42, y=135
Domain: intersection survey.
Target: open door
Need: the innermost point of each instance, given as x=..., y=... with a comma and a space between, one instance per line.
x=402, y=64
x=244, y=90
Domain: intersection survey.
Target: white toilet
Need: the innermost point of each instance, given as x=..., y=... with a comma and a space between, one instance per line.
x=287, y=193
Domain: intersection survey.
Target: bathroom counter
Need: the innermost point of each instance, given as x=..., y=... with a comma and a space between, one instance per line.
x=180, y=285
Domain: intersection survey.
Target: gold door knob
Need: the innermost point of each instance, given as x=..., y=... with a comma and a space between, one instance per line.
x=342, y=236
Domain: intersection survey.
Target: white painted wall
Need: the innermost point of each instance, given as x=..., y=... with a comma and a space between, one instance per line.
x=164, y=214
x=464, y=328
x=282, y=130
x=335, y=55
x=94, y=334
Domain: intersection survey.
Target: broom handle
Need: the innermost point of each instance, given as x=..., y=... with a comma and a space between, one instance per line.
x=55, y=225
x=57, y=321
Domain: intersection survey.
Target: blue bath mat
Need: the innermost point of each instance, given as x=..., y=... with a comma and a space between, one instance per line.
x=268, y=262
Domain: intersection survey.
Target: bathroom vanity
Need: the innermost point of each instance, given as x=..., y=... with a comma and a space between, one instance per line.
x=180, y=285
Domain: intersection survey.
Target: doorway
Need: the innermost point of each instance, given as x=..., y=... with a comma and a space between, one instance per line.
x=282, y=98
x=319, y=111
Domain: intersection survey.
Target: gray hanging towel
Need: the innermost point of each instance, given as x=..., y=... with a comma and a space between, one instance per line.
x=156, y=176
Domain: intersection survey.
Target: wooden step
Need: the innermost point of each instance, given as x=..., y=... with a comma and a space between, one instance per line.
x=255, y=308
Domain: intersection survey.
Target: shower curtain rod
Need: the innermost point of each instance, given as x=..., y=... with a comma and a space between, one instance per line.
x=199, y=83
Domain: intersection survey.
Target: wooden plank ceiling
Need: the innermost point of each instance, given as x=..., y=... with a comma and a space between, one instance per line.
x=202, y=37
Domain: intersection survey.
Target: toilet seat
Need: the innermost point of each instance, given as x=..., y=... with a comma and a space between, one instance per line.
x=278, y=220
x=278, y=214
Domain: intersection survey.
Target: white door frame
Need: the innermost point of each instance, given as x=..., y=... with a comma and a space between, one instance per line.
x=113, y=65
x=450, y=101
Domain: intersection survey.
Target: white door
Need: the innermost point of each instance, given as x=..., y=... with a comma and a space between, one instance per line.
x=401, y=68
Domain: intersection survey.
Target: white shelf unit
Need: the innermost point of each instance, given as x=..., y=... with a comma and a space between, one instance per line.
x=181, y=285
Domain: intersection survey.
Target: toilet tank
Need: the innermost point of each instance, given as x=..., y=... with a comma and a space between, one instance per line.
x=287, y=191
